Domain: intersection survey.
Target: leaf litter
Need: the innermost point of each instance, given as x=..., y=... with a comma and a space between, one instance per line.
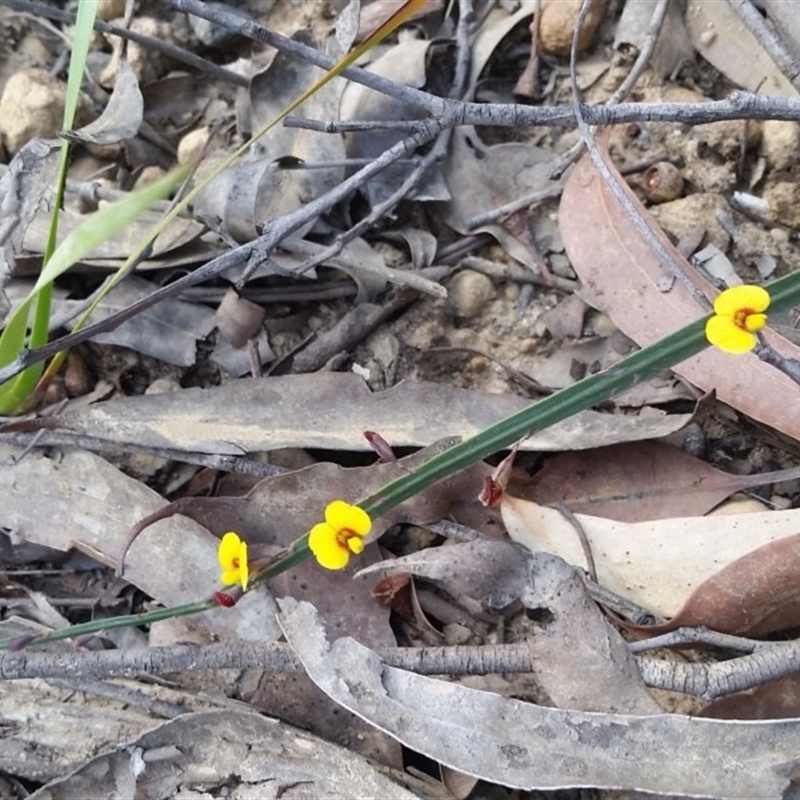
x=328, y=410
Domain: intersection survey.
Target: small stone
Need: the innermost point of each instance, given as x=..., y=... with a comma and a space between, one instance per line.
x=32, y=106
x=191, y=146
x=783, y=199
x=780, y=143
x=680, y=216
x=149, y=175
x=511, y=292
x=110, y=9
x=162, y=386
x=147, y=65
x=470, y=292
x=558, y=24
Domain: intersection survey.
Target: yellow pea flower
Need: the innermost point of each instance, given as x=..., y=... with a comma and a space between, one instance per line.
x=738, y=313
x=232, y=555
x=342, y=533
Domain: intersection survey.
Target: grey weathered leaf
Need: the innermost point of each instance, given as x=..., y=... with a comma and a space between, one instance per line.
x=332, y=411
x=122, y=115
x=522, y=745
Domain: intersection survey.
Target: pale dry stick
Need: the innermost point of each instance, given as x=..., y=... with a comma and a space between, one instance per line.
x=350, y=125
x=626, y=87
x=450, y=112
x=700, y=635
x=259, y=249
x=511, y=272
x=708, y=681
x=586, y=545
x=767, y=38
x=613, y=183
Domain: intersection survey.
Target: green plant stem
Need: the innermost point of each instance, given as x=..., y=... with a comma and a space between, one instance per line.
x=627, y=373
x=630, y=371
x=127, y=621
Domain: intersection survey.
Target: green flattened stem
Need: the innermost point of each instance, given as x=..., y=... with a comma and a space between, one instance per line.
x=100, y=625
x=627, y=373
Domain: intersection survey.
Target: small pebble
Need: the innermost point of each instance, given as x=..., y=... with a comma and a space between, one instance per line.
x=192, y=145
x=32, y=106
x=470, y=292
x=558, y=24
x=110, y=9
x=149, y=175
x=783, y=199
x=780, y=143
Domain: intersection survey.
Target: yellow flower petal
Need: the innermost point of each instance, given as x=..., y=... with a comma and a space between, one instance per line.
x=738, y=297
x=232, y=555
x=722, y=332
x=755, y=322
x=343, y=517
x=323, y=541
x=356, y=544
x=230, y=576
x=244, y=567
x=228, y=549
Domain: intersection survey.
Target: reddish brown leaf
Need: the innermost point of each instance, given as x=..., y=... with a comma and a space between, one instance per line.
x=626, y=277
x=753, y=596
x=774, y=700
x=637, y=481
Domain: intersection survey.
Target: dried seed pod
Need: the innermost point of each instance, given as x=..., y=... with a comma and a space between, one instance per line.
x=662, y=182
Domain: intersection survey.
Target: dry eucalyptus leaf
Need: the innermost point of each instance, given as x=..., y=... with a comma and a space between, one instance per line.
x=78, y=500
x=725, y=41
x=122, y=115
x=26, y=189
x=168, y=331
x=672, y=46
x=522, y=745
x=624, y=272
x=657, y=564
x=332, y=411
x=637, y=481
x=757, y=594
x=242, y=753
x=111, y=253
x=774, y=700
x=50, y=729
x=480, y=178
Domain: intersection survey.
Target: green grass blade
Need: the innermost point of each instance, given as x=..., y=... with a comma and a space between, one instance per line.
x=21, y=386
x=99, y=227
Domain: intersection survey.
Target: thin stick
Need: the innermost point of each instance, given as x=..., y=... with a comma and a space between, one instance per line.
x=774, y=660
x=586, y=546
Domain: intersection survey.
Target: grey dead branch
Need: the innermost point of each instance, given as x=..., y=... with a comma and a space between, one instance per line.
x=523, y=745
x=65, y=499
